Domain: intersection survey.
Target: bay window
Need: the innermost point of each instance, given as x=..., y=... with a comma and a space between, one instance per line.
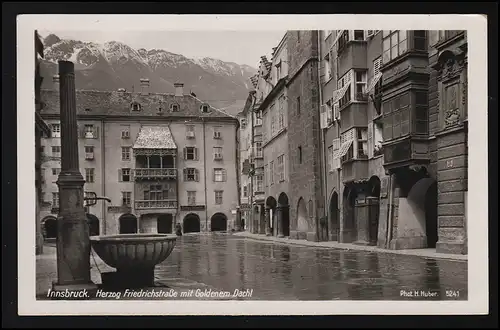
x=360, y=86
x=397, y=42
x=421, y=113
x=398, y=111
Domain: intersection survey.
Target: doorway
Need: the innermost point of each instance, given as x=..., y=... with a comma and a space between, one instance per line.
x=164, y=223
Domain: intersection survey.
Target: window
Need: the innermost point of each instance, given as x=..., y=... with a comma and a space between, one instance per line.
x=273, y=123
x=126, y=198
x=89, y=175
x=126, y=133
x=278, y=71
x=258, y=149
x=190, y=174
x=259, y=182
x=336, y=159
x=190, y=131
x=359, y=35
x=419, y=40
x=343, y=40
x=219, y=175
x=56, y=130
x=191, y=197
x=345, y=82
x=55, y=199
x=218, y=197
x=89, y=152
x=217, y=133
x=190, y=153
x=360, y=85
x=298, y=105
x=271, y=172
x=175, y=107
x=327, y=67
x=124, y=175
x=245, y=191
x=90, y=131
x=217, y=153
x=204, y=108
x=421, y=113
x=396, y=116
x=362, y=143
x=56, y=171
x=394, y=44
x=125, y=153
x=266, y=175
x=300, y=155
x=135, y=106
x=56, y=151
x=258, y=118
x=155, y=193
x=281, y=112
x=281, y=167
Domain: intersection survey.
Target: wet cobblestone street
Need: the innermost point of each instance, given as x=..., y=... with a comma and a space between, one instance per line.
x=281, y=272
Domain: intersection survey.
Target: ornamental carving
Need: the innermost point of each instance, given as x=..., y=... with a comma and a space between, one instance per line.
x=155, y=152
x=452, y=111
x=464, y=93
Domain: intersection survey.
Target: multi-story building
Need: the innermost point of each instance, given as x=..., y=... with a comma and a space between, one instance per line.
x=394, y=115
x=41, y=128
x=162, y=159
x=274, y=109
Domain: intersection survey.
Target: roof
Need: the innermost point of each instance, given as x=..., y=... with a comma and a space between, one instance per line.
x=114, y=103
x=155, y=137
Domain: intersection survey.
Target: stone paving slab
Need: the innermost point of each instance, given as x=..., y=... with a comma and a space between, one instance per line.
x=426, y=253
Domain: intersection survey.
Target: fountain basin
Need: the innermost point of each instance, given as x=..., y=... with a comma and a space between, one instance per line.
x=133, y=255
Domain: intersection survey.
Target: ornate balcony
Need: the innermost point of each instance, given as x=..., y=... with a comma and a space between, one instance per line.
x=156, y=204
x=155, y=173
x=406, y=152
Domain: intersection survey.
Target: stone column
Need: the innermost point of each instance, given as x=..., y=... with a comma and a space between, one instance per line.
x=279, y=220
x=268, y=222
x=73, y=245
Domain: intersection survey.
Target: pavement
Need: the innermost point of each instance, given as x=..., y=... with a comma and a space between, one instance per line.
x=427, y=253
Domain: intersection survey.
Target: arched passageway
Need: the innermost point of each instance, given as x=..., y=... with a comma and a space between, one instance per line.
x=164, y=223
x=270, y=216
x=349, y=219
x=334, y=216
x=283, y=214
x=191, y=223
x=50, y=228
x=128, y=224
x=93, y=222
x=218, y=222
x=373, y=209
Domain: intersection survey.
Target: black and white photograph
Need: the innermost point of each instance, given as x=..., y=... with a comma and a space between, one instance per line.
x=220, y=165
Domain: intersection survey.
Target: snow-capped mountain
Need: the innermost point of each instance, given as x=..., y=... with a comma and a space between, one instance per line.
x=114, y=65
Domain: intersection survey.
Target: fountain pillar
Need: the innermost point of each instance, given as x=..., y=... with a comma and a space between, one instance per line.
x=73, y=244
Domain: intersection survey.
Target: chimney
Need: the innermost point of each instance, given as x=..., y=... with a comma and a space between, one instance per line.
x=144, y=86
x=55, y=81
x=179, y=89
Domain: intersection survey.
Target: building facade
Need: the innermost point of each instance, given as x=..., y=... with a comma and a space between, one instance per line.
x=162, y=159
x=396, y=134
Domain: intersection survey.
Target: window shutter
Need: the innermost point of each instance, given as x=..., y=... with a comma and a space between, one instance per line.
x=184, y=172
x=370, y=139
x=213, y=175
x=376, y=66
x=185, y=153
x=195, y=153
x=131, y=174
x=224, y=175
x=96, y=132
x=323, y=116
x=196, y=175
x=81, y=131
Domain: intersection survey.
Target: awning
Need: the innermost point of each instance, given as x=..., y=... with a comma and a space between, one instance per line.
x=373, y=82
x=344, y=148
x=155, y=137
x=339, y=93
x=339, y=34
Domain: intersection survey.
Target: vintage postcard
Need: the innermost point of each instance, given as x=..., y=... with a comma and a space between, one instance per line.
x=252, y=165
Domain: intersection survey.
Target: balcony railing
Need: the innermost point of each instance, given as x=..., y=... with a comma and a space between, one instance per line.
x=148, y=173
x=156, y=204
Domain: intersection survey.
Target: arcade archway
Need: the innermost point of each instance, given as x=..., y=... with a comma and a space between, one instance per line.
x=283, y=215
x=191, y=223
x=218, y=222
x=164, y=223
x=128, y=224
x=50, y=227
x=334, y=216
x=93, y=222
x=270, y=216
x=350, y=230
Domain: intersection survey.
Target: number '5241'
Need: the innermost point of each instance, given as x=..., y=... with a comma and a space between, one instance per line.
x=452, y=293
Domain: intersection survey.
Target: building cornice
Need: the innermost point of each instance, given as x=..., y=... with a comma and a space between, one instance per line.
x=273, y=93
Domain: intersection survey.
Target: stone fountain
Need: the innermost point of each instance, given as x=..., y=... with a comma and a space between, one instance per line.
x=134, y=256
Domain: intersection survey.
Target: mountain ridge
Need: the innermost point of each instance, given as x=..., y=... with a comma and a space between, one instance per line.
x=113, y=65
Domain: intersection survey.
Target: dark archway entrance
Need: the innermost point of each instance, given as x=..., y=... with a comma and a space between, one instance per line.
x=128, y=224
x=191, y=223
x=431, y=216
x=218, y=222
x=164, y=223
x=283, y=215
x=270, y=216
x=334, y=216
x=349, y=230
x=93, y=222
x=373, y=201
x=50, y=228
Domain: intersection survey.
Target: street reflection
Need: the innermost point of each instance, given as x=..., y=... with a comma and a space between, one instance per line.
x=282, y=272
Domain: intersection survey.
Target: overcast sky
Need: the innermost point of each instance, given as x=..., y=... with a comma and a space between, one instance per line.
x=242, y=47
